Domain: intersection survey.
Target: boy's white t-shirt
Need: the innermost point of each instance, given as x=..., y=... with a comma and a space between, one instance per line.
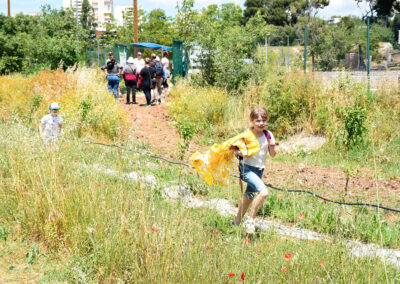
x=51, y=125
x=259, y=160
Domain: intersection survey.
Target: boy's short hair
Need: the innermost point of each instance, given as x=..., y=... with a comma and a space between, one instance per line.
x=259, y=111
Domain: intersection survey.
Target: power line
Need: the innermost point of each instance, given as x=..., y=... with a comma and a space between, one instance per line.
x=267, y=184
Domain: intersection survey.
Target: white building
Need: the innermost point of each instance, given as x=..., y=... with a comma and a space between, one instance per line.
x=119, y=12
x=103, y=9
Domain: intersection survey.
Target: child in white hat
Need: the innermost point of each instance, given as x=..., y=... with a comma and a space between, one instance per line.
x=51, y=125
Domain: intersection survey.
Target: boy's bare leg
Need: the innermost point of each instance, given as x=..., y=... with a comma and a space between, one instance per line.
x=257, y=203
x=243, y=206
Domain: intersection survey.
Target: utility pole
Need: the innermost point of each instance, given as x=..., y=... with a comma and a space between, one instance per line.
x=9, y=13
x=368, y=56
x=305, y=48
x=135, y=22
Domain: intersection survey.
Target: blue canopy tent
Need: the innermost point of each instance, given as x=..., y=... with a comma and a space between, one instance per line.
x=149, y=45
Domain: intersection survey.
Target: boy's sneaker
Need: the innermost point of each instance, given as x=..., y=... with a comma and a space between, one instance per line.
x=232, y=223
x=249, y=226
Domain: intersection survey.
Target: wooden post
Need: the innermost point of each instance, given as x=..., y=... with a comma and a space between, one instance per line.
x=135, y=21
x=9, y=12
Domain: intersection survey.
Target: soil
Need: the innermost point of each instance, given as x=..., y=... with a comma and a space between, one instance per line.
x=154, y=126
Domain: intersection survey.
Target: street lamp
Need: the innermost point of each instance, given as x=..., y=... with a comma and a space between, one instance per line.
x=266, y=47
x=287, y=36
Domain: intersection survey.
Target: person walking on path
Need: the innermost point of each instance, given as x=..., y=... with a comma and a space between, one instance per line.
x=50, y=125
x=252, y=168
x=252, y=147
x=113, y=71
x=167, y=74
x=157, y=91
x=130, y=76
x=147, y=74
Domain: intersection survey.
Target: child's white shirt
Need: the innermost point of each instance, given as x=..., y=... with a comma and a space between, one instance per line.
x=259, y=160
x=51, y=125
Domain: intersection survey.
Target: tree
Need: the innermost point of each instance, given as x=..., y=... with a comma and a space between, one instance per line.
x=185, y=19
x=252, y=7
x=87, y=16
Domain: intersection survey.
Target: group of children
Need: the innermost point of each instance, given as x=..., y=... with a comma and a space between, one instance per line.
x=257, y=144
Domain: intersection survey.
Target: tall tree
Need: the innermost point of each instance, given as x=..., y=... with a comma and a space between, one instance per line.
x=87, y=16
x=252, y=7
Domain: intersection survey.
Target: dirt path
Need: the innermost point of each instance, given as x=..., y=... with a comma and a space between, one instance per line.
x=154, y=126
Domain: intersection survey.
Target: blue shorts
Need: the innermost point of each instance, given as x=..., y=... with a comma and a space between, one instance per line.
x=253, y=177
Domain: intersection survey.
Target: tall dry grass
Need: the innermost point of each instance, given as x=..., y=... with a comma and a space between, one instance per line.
x=74, y=200
x=86, y=106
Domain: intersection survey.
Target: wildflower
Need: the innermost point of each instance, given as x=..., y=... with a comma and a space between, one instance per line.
x=210, y=248
x=288, y=256
x=106, y=155
x=318, y=278
x=284, y=270
x=191, y=173
x=322, y=263
x=99, y=185
x=154, y=229
x=258, y=250
x=300, y=216
x=246, y=240
x=216, y=232
x=242, y=276
x=280, y=196
x=231, y=274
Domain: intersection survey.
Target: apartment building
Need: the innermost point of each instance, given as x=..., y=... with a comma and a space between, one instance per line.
x=103, y=9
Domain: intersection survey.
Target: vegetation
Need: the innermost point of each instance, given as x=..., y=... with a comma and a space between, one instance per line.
x=85, y=104
x=116, y=229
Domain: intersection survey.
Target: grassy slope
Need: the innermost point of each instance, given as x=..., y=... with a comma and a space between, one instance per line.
x=112, y=228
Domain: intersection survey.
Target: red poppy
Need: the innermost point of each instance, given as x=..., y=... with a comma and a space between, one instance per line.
x=258, y=250
x=322, y=263
x=191, y=173
x=75, y=161
x=99, y=185
x=280, y=196
x=231, y=274
x=210, y=248
x=284, y=270
x=106, y=155
x=246, y=240
x=216, y=232
x=154, y=230
x=300, y=216
x=242, y=276
x=288, y=256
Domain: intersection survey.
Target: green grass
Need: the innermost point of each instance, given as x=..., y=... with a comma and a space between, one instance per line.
x=108, y=228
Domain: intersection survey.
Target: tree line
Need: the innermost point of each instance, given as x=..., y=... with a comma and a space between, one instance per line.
x=223, y=34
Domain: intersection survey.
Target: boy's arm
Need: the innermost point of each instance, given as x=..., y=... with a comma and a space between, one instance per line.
x=271, y=149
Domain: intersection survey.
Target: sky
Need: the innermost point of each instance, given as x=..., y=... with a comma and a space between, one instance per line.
x=335, y=8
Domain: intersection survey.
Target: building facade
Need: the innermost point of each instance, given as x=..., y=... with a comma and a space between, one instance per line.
x=103, y=9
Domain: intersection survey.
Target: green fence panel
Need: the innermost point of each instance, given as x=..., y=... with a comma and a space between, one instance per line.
x=121, y=53
x=97, y=57
x=177, y=55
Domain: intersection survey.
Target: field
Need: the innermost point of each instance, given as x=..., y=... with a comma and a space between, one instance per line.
x=80, y=212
